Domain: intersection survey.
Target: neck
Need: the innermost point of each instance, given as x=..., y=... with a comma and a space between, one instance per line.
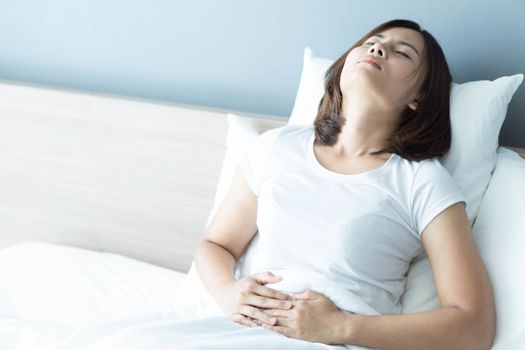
x=366, y=130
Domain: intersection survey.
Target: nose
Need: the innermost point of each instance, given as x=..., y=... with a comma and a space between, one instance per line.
x=377, y=49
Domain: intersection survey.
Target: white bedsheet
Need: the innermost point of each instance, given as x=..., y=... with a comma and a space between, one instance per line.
x=50, y=282
x=56, y=298
x=152, y=332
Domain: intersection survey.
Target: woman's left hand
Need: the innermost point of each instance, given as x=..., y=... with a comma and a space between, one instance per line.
x=313, y=317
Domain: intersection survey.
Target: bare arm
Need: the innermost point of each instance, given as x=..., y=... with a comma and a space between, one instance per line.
x=220, y=248
x=227, y=236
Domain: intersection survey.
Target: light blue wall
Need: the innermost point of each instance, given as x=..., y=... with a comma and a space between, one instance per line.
x=241, y=55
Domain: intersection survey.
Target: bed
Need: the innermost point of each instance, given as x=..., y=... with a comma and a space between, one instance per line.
x=103, y=200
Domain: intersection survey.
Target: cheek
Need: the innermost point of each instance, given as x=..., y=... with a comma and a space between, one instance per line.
x=353, y=56
x=404, y=84
x=408, y=68
x=404, y=73
x=350, y=61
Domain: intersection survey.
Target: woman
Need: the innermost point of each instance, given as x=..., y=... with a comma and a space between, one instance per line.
x=356, y=197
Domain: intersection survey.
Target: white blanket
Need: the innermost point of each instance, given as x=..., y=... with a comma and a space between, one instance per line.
x=168, y=330
x=152, y=332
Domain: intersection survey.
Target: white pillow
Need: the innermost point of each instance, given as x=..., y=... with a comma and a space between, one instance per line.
x=240, y=136
x=57, y=283
x=311, y=88
x=499, y=233
x=193, y=299
x=477, y=112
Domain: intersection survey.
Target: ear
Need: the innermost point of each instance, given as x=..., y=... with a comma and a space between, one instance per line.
x=413, y=105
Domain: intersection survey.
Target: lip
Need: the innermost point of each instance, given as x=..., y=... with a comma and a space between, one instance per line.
x=372, y=61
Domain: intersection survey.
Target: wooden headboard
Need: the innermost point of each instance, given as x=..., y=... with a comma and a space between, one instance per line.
x=127, y=176
x=111, y=174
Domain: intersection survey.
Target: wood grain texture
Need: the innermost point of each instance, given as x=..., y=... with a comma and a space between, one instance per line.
x=132, y=177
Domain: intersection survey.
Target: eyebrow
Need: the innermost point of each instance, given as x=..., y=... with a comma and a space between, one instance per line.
x=400, y=42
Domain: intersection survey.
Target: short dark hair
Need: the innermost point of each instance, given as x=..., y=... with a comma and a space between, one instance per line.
x=421, y=134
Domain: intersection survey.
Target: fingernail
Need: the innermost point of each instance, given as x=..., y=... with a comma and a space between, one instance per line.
x=273, y=320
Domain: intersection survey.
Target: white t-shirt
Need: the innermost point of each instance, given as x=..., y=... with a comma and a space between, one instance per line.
x=360, y=230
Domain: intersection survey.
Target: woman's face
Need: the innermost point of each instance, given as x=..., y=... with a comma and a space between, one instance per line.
x=386, y=68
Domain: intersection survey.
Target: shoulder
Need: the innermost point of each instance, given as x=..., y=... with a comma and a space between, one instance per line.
x=423, y=169
x=425, y=179
x=431, y=169
x=431, y=189
x=284, y=134
x=288, y=131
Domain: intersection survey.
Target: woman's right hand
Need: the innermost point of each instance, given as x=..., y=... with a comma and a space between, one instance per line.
x=243, y=299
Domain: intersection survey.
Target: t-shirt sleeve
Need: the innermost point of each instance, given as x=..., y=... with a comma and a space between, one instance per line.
x=254, y=162
x=433, y=190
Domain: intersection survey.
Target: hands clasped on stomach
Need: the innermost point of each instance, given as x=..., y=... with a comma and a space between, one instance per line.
x=243, y=300
x=308, y=315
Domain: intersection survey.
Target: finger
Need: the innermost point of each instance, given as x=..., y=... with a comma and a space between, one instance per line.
x=309, y=294
x=267, y=302
x=266, y=278
x=255, y=321
x=277, y=313
x=280, y=329
x=271, y=293
x=284, y=322
x=245, y=321
x=259, y=323
x=257, y=314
